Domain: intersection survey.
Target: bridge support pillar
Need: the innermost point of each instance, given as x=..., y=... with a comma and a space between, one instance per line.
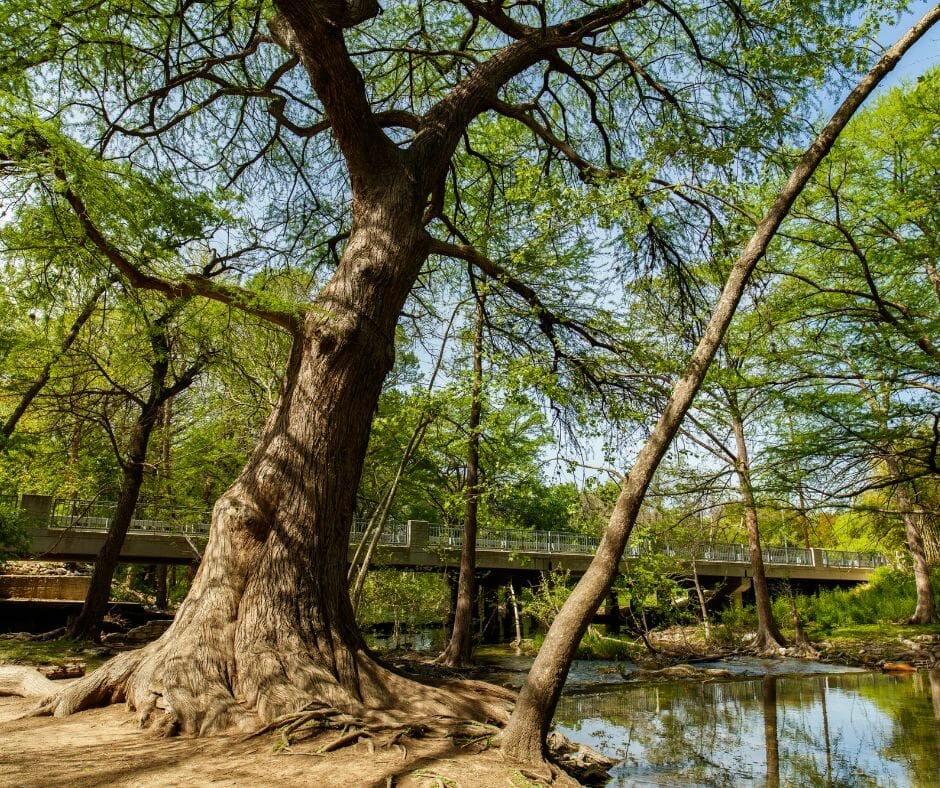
x=737, y=596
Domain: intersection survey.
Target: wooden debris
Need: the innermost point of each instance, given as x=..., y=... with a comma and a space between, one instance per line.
x=70, y=670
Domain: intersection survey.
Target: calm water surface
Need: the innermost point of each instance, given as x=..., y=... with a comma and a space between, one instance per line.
x=780, y=722
x=856, y=729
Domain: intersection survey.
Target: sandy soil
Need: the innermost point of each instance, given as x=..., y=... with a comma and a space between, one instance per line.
x=104, y=747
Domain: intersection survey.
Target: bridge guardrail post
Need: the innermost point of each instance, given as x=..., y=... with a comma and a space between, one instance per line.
x=818, y=558
x=37, y=508
x=417, y=532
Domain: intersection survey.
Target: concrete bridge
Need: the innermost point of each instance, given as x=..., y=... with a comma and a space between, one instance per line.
x=64, y=530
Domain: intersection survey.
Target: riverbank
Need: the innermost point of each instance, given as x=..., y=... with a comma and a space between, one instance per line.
x=104, y=747
x=869, y=646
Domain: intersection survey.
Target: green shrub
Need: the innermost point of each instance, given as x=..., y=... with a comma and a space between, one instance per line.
x=732, y=621
x=889, y=597
x=13, y=540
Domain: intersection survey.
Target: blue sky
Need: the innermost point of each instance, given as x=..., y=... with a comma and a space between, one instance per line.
x=923, y=56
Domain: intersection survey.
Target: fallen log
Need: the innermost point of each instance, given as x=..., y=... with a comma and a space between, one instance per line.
x=25, y=682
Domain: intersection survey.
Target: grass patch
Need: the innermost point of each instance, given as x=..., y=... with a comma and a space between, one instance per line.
x=881, y=605
x=868, y=633
x=49, y=652
x=596, y=646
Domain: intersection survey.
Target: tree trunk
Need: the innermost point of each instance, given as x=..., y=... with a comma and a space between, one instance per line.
x=459, y=651
x=25, y=682
x=804, y=518
x=513, y=603
x=768, y=638
x=160, y=601
x=612, y=609
x=524, y=736
x=925, y=612
x=267, y=627
x=703, y=608
x=87, y=625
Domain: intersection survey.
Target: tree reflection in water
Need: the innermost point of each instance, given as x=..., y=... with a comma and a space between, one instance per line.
x=838, y=730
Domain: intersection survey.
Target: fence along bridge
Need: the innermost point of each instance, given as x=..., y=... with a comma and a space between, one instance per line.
x=68, y=530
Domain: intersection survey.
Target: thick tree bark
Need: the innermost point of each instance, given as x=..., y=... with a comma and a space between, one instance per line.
x=768, y=637
x=524, y=736
x=459, y=651
x=268, y=628
x=925, y=612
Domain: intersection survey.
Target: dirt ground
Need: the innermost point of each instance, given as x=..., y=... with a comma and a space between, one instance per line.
x=104, y=747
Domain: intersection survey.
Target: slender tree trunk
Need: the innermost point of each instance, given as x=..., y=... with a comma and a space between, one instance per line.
x=459, y=651
x=161, y=587
x=768, y=637
x=373, y=532
x=514, y=604
x=87, y=625
x=612, y=609
x=703, y=608
x=359, y=566
x=524, y=736
x=925, y=612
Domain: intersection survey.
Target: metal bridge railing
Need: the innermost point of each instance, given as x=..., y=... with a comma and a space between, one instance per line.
x=450, y=536
x=394, y=534
x=148, y=518
x=843, y=559
x=162, y=519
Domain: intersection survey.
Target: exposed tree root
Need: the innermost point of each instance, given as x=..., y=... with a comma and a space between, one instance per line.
x=177, y=691
x=765, y=644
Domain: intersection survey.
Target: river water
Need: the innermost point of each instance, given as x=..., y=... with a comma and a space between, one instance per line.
x=775, y=723
x=854, y=729
x=780, y=722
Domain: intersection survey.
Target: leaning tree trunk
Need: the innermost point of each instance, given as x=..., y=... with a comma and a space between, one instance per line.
x=87, y=625
x=524, y=735
x=267, y=627
x=768, y=637
x=925, y=611
x=459, y=651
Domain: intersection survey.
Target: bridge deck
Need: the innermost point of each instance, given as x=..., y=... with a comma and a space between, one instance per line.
x=419, y=544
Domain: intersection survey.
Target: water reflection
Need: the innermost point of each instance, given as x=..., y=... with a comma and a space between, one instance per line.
x=860, y=729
